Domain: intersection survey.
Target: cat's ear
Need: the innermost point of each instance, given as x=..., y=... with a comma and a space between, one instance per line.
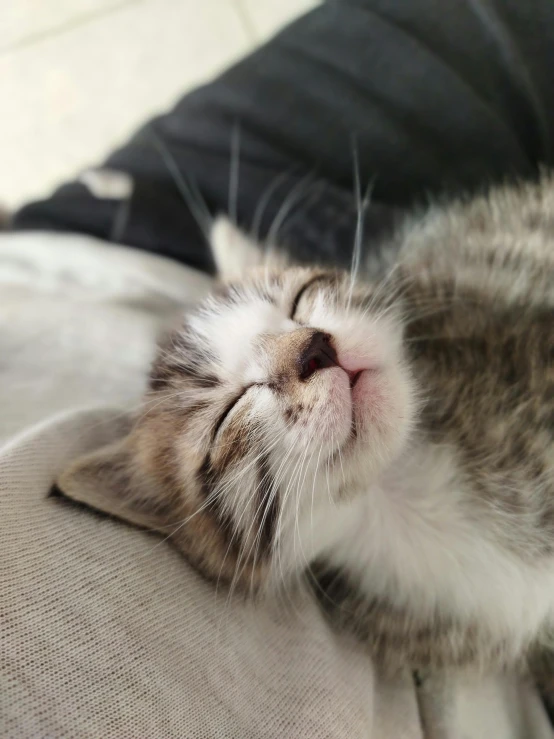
x=107, y=481
x=234, y=253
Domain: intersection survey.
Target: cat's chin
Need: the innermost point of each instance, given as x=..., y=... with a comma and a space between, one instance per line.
x=373, y=403
x=381, y=410
x=365, y=393
x=358, y=397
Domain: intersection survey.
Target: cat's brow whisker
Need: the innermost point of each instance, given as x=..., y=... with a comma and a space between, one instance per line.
x=264, y=200
x=234, y=170
x=295, y=195
x=360, y=215
x=189, y=193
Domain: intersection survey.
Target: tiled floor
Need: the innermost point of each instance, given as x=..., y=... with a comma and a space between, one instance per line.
x=77, y=76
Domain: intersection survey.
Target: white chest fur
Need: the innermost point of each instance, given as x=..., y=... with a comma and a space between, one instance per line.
x=416, y=539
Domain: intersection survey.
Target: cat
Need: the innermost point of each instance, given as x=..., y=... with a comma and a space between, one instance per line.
x=389, y=439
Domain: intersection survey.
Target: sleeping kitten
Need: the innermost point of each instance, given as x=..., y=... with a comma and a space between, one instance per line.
x=393, y=437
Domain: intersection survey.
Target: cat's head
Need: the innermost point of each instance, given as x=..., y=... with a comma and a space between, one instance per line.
x=280, y=398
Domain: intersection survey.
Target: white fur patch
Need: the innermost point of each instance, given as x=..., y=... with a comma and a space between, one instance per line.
x=413, y=539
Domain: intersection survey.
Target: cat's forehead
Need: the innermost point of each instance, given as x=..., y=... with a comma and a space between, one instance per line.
x=233, y=318
x=271, y=285
x=260, y=296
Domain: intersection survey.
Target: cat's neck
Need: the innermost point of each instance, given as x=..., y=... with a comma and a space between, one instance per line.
x=415, y=539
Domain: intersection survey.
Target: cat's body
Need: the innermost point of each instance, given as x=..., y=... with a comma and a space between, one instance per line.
x=470, y=507
x=396, y=438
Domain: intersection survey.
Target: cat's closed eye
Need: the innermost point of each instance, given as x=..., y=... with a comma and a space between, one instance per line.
x=317, y=279
x=230, y=407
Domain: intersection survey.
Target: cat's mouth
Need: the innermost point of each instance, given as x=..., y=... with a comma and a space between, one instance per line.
x=353, y=377
x=362, y=394
x=359, y=400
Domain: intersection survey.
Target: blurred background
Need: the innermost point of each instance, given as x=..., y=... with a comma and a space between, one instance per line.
x=78, y=76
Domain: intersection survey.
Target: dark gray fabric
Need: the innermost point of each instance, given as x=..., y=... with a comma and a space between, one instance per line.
x=435, y=97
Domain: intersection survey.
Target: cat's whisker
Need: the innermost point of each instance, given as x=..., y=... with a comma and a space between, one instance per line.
x=191, y=195
x=271, y=498
x=244, y=556
x=246, y=506
x=313, y=495
x=361, y=207
x=234, y=171
x=285, y=499
x=284, y=580
x=304, y=558
x=209, y=501
x=299, y=475
x=299, y=462
x=264, y=200
x=299, y=489
x=295, y=195
x=328, y=469
x=324, y=591
x=232, y=481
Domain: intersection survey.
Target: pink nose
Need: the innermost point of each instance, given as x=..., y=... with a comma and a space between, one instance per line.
x=317, y=355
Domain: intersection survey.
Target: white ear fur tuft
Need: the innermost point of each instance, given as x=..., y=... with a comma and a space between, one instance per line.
x=234, y=253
